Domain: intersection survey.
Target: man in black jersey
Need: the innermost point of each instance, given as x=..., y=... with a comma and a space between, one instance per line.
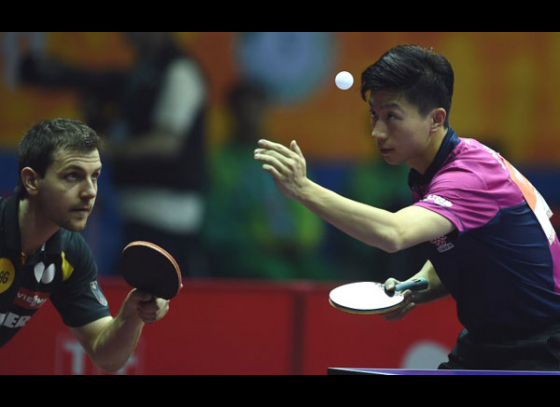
x=43, y=256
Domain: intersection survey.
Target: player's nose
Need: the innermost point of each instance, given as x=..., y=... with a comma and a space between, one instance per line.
x=378, y=131
x=89, y=191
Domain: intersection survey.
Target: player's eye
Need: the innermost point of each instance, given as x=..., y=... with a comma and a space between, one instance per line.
x=71, y=177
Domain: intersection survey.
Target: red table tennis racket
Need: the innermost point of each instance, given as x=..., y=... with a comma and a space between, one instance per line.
x=370, y=298
x=150, y=269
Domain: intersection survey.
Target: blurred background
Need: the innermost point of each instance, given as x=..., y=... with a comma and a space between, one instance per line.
x=181, y=113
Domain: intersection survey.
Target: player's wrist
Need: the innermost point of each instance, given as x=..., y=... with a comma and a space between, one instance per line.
x=305, y=192
x=129, y=311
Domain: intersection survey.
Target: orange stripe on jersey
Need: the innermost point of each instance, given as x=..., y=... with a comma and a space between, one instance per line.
x=527, y=189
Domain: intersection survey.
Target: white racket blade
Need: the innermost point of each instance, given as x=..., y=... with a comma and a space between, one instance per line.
x=365, y=298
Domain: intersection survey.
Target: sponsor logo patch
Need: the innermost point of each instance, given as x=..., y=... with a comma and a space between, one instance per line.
x=7, y=274
x=30, y=300
x=438, y=200
x=442, y=244
x=94, y=285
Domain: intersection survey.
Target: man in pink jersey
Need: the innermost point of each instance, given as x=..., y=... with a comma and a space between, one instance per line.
x=490, y=242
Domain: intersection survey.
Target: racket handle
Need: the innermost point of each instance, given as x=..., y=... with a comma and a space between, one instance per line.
x=417, y=284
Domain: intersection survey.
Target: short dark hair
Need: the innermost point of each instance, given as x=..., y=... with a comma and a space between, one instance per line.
x=423, y=76
x=38, y=146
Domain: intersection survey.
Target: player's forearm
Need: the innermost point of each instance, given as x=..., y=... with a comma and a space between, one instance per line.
x=116, y=344
x=373, y=226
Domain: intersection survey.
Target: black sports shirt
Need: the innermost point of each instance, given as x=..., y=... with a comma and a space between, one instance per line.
x=63, y=270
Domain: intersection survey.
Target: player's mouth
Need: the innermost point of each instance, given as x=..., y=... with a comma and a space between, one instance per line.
x=386, y=151
x=85, y=210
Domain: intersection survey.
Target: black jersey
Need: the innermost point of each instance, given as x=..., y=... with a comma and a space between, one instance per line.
x=63, y=270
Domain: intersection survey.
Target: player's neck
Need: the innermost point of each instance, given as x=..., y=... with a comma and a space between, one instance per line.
x=425, y=160
x=35, y=229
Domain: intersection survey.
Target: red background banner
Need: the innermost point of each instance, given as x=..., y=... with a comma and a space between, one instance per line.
x=246, y=327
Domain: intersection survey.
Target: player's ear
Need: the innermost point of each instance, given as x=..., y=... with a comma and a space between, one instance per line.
x=438, y=117
x=30, y=180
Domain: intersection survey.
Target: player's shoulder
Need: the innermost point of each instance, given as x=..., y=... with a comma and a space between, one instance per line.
x=473, y=164
x=77, y=255
x=472, y=152
x=73, y=244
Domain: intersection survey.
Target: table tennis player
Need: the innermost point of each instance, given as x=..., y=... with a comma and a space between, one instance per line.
x=491, y=244
x=42, y=255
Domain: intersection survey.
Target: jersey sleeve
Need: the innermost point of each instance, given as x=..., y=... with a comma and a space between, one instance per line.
x=461, y=196
x=80, y=300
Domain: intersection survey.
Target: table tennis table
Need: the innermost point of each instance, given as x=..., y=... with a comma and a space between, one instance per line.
x=338, y=371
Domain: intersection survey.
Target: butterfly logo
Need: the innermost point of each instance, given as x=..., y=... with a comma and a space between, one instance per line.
x=44, y=274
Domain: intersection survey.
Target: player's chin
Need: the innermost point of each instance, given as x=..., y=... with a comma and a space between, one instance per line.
x=75, y=225
x=72, y=227
x=393, y=159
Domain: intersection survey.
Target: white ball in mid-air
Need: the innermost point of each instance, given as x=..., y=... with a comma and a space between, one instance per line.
x=344, y=80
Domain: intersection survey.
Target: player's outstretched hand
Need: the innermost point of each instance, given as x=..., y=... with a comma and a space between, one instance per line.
x=287, y=166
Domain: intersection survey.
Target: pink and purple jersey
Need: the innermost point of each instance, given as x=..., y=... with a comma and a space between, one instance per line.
x=502, y=264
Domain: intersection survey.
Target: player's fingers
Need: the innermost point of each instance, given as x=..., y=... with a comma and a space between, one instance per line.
x=273, y=171
x=151, y=318
x=273, y=162
x=163, y=312
x=410, y=296
x=390, y=285
x=147, y=316
x=146, y=313
x=296, y=149
x=153, y=306
x=269, y=145
x=400, y=313
x=405, y=307
x=285, y=161
x=153, y=311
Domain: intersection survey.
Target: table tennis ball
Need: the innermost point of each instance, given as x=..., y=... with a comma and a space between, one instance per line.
x=344, y=80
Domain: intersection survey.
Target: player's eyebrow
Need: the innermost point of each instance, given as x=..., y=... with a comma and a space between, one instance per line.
x=74, y=167
x=389, y=105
